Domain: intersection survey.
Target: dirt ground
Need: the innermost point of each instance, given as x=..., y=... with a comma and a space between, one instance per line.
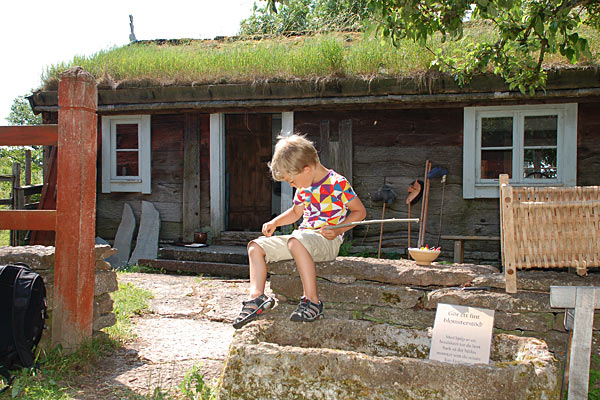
x=188, y=323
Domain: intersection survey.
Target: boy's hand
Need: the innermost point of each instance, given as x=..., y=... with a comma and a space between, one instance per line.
x=268, y=228
x=329, y=233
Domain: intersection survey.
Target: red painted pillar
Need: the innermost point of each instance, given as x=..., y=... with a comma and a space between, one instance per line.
x=72, y=316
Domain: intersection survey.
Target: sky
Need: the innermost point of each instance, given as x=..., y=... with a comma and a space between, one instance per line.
x=37, y=33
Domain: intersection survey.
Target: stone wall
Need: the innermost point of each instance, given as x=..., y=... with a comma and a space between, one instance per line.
x=41, y=259
x=401, y=293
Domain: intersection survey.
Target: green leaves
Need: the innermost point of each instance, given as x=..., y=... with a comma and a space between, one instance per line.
x=22, y=114
x=527, y=32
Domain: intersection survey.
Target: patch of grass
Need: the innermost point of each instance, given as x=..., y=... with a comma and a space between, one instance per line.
x=4, y=238
x=142, y=268
x=194, y=387
x=594, y=391
x=57, y=371
x=52, y=380
x=56, y=377
x=129, y=300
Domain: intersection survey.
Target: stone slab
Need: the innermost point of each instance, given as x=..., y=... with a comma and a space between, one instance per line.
x=403, y=317
x=537, y=322
x=146, y=245
x=111, y=259
x=500, y=301
x=38, y=257
x=123, y=237
x=539, y=281
x=270, y=365
x=397, y=272
x=199, y=267
x=105, y=282
x=359, y=292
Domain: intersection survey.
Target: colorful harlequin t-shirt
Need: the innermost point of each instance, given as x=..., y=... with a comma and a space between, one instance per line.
x=325, y=203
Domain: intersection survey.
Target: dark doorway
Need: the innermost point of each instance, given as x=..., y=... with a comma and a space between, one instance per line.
x=248, y=150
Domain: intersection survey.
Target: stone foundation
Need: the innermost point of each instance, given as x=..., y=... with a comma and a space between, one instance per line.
x=41, y=260
x=400, y=294
x=342, y=359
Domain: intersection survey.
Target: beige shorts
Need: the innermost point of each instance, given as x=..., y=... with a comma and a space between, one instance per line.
x=320, y=248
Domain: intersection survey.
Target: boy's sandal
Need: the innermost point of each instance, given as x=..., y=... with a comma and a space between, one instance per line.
x=307, y=311
x=252, y=309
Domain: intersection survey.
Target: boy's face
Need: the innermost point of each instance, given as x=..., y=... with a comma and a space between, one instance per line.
x=301, y=180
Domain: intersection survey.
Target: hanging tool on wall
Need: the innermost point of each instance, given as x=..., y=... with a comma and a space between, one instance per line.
x=386, y=194
x=415, y=192
x=424, y=204
x=437, y=172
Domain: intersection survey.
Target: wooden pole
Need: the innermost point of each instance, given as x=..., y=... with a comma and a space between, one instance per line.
x=27, y=172
x=381, y=232
x=409, y=225
x=72, y=318
x=424, y=206
x=17, y=202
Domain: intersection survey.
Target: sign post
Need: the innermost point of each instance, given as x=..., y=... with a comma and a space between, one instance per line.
x=584, y=300
x=462, y=334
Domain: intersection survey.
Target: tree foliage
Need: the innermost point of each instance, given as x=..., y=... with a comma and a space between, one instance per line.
x=22, y=114
x=302, y=16
x=526, y=31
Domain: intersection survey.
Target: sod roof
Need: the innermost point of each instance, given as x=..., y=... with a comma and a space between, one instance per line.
x=277, y=59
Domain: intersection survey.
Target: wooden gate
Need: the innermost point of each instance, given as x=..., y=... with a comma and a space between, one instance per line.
x=75, y=214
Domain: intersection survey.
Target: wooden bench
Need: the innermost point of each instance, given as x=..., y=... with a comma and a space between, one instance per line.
x=459, y=244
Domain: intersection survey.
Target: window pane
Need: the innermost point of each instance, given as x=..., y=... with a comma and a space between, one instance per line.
x=495, y=162
x=496, y=132
x=540, y=164
x=127, y=136
x=541, y=131
x=127, y=163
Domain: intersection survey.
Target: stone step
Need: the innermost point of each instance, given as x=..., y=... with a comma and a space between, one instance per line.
x=394, y=272
x=234, y=238
x=199, y=267
x=211, y=253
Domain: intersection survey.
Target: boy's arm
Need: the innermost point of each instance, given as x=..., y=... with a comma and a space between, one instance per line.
x=290, y=216
x=357, y=213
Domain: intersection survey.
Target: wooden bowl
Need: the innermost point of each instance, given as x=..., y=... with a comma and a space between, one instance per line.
x=423, y=257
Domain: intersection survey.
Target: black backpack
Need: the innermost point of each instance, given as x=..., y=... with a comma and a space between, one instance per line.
x=22, y=317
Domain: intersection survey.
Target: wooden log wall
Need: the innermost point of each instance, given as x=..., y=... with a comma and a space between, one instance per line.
x=394, y=144
x=588, y=144
x=167, y=160
x=386, y=143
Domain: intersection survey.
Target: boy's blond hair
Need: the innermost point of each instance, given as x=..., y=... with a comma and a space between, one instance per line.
x=291, y=155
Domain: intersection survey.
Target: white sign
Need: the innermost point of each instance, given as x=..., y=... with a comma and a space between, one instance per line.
x=462, y=335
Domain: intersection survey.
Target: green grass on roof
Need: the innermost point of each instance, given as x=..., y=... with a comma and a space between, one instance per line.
x=277, y=59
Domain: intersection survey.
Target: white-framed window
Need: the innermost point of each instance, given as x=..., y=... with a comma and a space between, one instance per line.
x=126, y=153
x=536, y=145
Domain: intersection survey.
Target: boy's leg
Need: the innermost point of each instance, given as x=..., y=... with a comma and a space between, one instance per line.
x=258, y=302
x=306, y=269
x=258, y=270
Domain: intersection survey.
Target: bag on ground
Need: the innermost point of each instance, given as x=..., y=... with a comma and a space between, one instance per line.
x=22, y=317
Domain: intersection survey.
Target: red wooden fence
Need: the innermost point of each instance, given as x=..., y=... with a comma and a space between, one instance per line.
x=74, y=219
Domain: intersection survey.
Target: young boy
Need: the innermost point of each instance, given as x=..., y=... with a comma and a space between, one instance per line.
x=323, y=198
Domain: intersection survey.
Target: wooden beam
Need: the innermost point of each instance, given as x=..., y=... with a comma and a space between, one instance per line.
x=34, y=135
x=191, y=176
x=506, y=235
x=74, y=272
x=26, y=220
